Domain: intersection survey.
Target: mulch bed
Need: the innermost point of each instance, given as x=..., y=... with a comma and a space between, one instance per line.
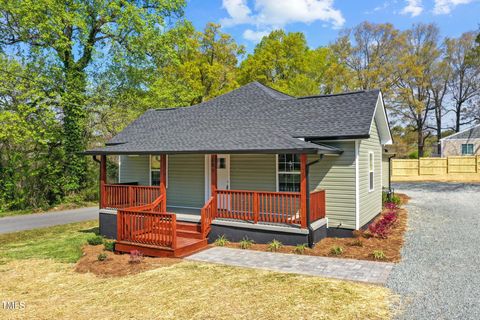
x=359, y=247
x=117, y=265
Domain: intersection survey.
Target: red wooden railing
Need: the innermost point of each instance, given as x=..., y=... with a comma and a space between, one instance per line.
x=207, y=215
x=116, y=196
x=259, y=206
x=317, y=205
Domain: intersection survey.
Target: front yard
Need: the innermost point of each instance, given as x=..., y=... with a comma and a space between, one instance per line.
x=38, y=269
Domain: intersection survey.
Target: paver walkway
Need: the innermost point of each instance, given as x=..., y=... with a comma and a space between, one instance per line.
x=47, y=219
x=346, y=269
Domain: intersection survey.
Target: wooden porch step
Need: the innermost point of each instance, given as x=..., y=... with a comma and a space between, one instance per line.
x=189, y=234
x=189, y=226
x=185, y=247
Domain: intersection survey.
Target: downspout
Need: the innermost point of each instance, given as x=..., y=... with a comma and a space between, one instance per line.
x=390, y=172
x=309, y=226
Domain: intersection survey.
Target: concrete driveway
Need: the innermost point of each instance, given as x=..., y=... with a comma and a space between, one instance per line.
x=439, y=275
x=40, y=220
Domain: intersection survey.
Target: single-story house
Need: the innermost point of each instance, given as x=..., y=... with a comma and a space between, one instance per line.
x=463, y=143
x=253, y=163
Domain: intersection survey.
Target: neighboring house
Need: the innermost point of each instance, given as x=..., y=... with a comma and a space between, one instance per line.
x=253, y=163
x=463, y=143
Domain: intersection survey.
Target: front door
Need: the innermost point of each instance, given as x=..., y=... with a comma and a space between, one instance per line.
x=223, y=171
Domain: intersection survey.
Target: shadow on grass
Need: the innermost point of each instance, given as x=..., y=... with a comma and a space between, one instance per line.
x=95, y=230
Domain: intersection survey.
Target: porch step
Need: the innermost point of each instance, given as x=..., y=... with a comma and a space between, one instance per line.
x=189, y=234
x=188, y=226
x=185, y=247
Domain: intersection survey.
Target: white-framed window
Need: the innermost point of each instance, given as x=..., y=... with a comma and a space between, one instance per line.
x=155, y=170
x=371, y=171
x=288, y=172
x=467, y=149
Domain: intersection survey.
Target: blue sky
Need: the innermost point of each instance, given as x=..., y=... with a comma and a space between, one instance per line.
x=321, y=20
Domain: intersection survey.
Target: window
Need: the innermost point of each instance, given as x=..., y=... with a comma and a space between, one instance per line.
x=371, y=166
x=289, y=172
x=155, y=170
x=467, y=149
x=222, y=163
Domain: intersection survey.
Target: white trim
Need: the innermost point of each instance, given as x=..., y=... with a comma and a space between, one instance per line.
x=383, y=129
x=357, y=186
x=150, y=170
x=119, y=168
x=373, y=170
x=276, y=173
x=381, y=169
x=207, y=177
x=452, y=135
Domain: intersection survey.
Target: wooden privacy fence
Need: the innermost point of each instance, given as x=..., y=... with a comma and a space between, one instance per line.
x=436, y=166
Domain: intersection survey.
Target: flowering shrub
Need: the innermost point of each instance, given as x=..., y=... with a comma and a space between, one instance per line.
x=381, y=228
x=390, y=205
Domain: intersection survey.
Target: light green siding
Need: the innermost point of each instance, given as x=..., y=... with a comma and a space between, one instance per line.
x=385, y=170
x=186, y=181
x=134, y=169
x=336, y=174
x=253, y=172
x=370, y=201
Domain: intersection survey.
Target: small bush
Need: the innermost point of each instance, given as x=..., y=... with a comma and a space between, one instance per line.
x=246, y=243
x=381, y=228
x=109, y=245
x=396, y=200
x=356, y=243
x=102, y=257
x=135, y=256
x=336, y=250
x=300, y=248
x=378, y=255
x=274, y=246
x=95, y=240
x=221, y=241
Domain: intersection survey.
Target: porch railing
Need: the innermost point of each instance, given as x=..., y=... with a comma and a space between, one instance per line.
x=207, y=215
x=317, y=205
x=116, y=196
x=147, y=225
x=259, y=206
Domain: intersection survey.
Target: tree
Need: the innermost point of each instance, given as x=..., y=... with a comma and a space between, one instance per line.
x=369, y=52
x=286, y=63
x=412, y=96
x=464, y=84
x=70, y=33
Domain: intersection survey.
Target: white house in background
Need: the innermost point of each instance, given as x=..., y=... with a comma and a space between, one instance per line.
x=463, y=143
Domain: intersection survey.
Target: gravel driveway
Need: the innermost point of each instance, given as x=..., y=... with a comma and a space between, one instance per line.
x=439, y=276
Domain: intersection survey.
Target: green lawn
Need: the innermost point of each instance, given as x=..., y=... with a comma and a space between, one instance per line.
x=62, y=243
x=63, y=206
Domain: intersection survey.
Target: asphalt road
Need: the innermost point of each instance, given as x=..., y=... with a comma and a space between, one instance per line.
x=47, y=219
x=439, y=275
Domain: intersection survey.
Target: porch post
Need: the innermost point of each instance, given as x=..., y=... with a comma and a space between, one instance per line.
x=213, y=182
x=303, y=190
x=103, y=180
x=163, y=180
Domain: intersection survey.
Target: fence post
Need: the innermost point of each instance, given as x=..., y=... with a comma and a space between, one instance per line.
x=447, y=164
x=256, y=208
x=130, y=196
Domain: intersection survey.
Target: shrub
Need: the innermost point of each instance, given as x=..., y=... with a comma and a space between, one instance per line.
x=109, y=245
x=274, y=246
x=95, y=240
x=336, y=250
x=300, y=248
x=135, y=256
x=246, y=243
x=378, y=255
x=381, y=228
x=356, y=243
x=396, y=199
x=102, y=257
x=221, y=241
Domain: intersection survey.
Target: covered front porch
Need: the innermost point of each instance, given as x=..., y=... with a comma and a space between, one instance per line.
x=143, y=217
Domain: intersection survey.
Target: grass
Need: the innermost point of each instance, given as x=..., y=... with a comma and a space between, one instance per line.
x=62, y=243
x=186, y=290
x=63, y=206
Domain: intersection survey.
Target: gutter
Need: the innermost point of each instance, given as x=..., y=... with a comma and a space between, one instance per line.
x=309, y=225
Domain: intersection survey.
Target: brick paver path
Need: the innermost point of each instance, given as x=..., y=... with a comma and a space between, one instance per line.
x=346, y=269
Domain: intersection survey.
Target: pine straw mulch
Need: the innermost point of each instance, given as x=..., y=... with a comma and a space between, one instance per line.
x=359, y=247
x=117, y=265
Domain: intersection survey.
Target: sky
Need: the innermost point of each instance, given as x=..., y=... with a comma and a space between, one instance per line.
x=321, y=20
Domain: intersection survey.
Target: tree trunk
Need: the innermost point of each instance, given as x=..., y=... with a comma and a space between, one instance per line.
x=458, y=110
x=420, y=142
x=74, y=124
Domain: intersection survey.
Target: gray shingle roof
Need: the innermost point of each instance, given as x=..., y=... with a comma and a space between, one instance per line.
x=472, y=133
x=253, y=118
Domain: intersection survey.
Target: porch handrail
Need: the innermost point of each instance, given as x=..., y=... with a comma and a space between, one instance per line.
x=317, y=205
x=147, y=227
x=259, y=206
x=116, y=196
x=207, y=215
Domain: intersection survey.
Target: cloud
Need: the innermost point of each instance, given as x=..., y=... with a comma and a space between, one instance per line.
x=446, y=6
x=270, y=14
x=413, y=8
x=254, y=36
